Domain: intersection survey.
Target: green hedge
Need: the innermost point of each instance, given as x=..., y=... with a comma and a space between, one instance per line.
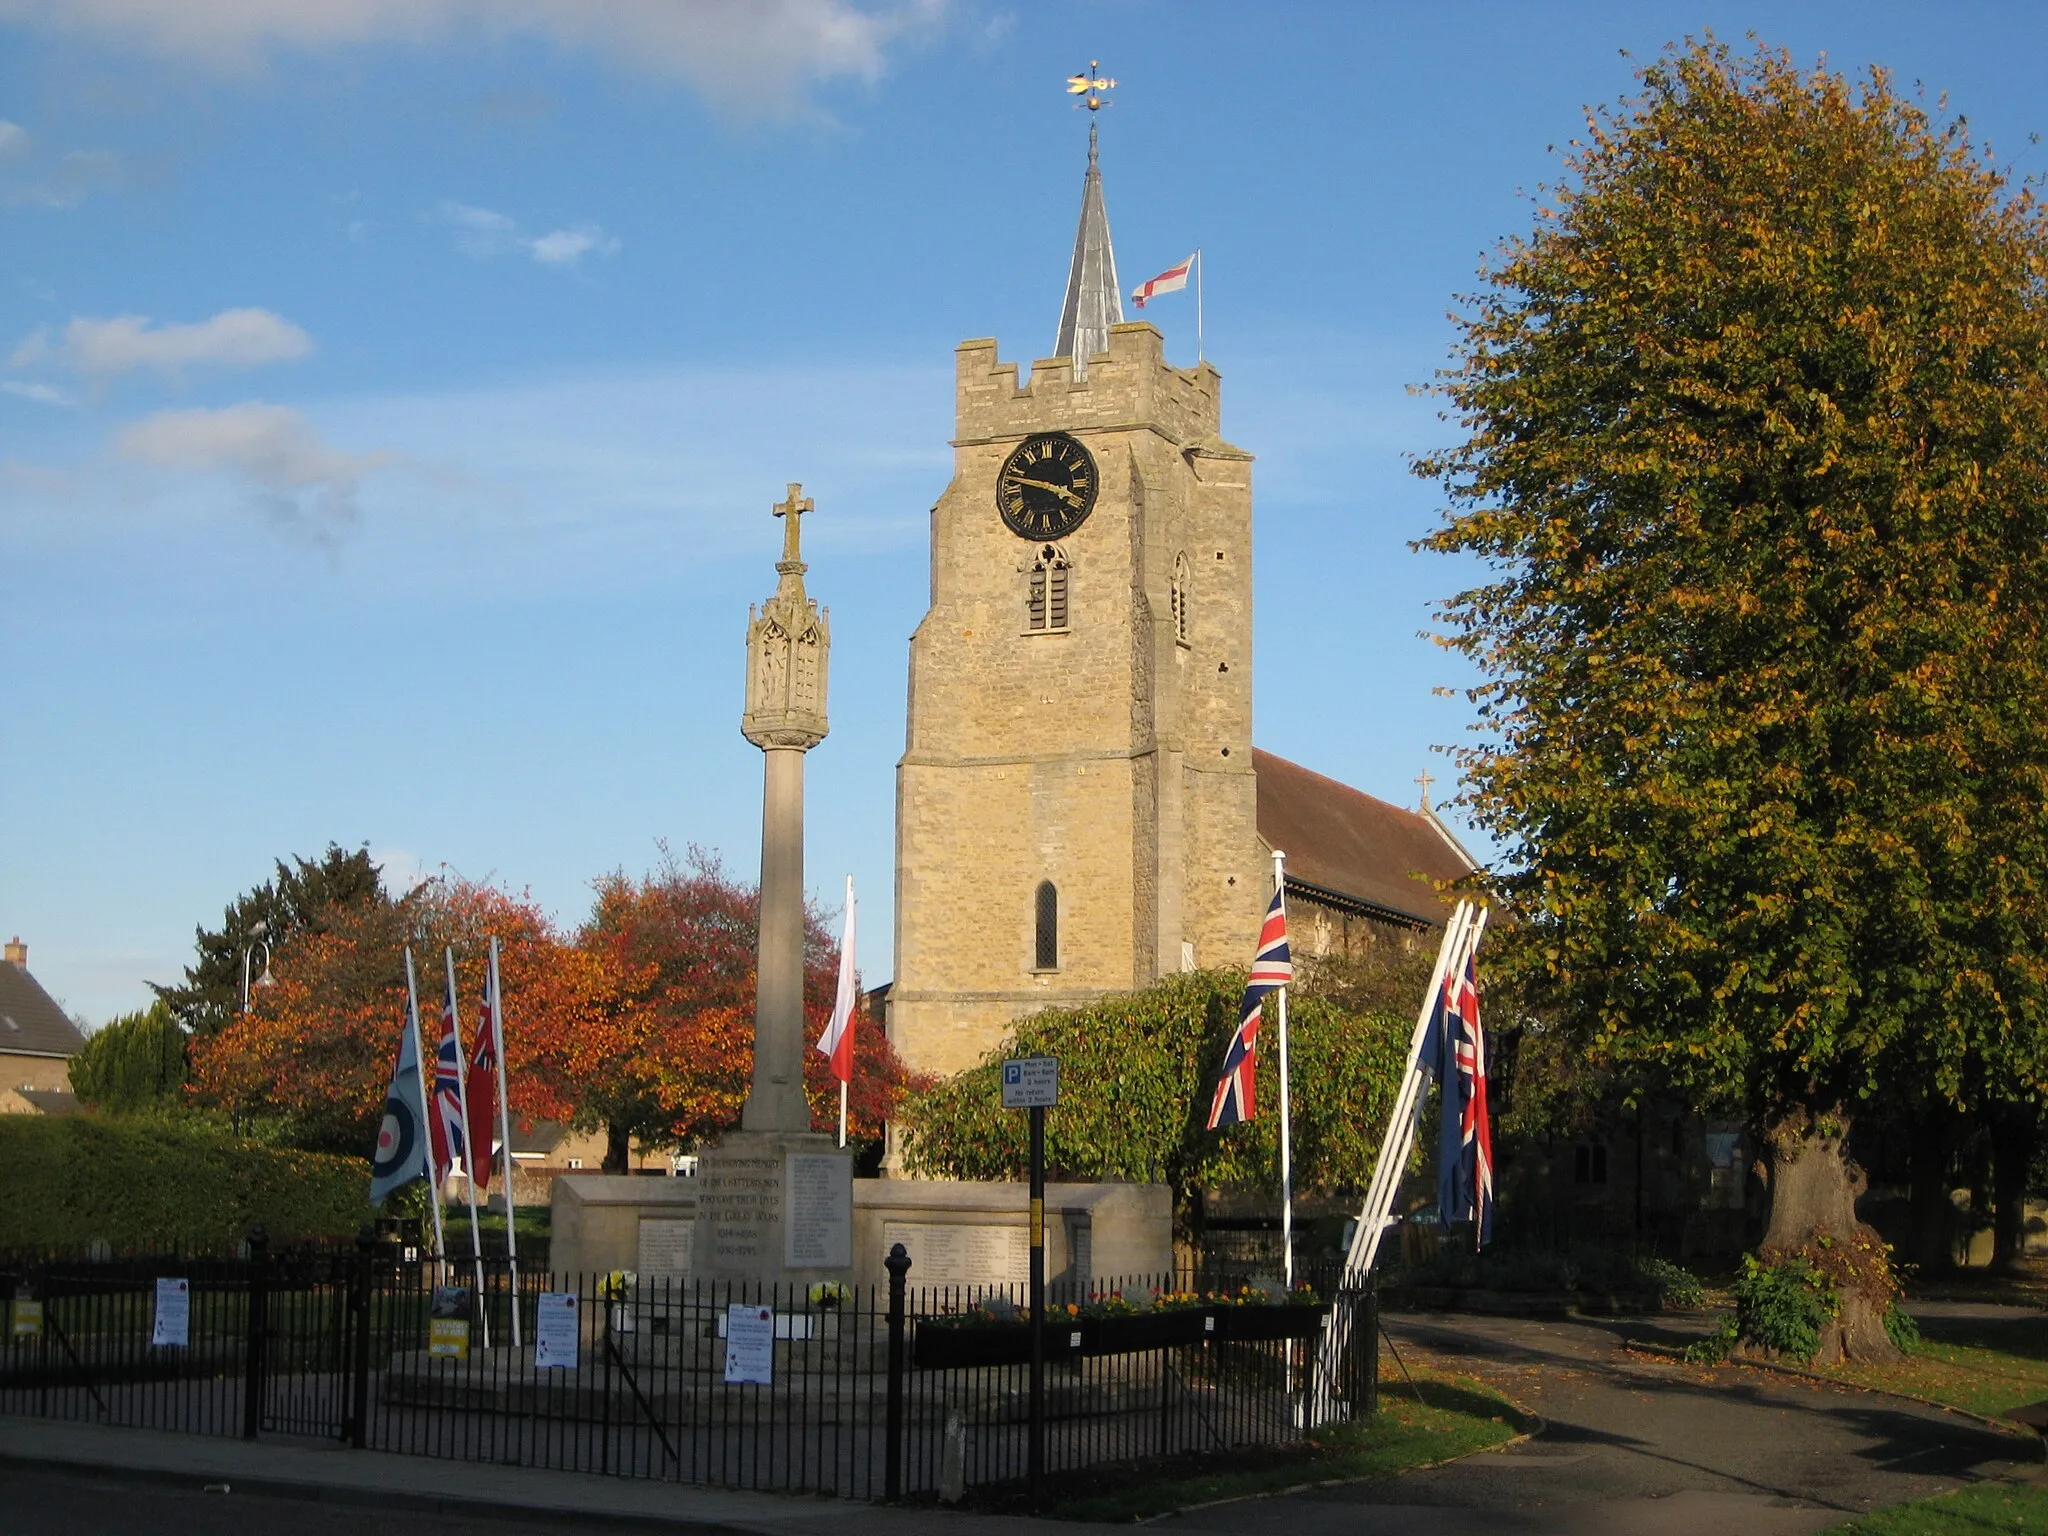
x=138, y=1183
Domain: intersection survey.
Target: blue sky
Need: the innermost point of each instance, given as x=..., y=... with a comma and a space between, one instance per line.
x=392, y=392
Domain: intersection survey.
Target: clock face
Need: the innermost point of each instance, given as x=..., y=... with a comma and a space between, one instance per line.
x=1046, y=487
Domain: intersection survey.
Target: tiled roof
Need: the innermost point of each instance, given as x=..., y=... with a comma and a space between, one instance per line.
x=52, y=1101
x=1344, y=841
x=31, y=1023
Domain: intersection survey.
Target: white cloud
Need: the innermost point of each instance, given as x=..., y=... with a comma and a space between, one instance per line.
x=41, y=394
x=301, y=483
x=483, y=233
x=234, y=338
x=34, y=177
x=750, y=57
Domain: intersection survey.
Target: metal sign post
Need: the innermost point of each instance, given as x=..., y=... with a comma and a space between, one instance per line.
x=1033, y=1083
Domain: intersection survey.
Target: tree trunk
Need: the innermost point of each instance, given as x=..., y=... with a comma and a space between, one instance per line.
x=2015, y=1132
x=1813, y=1189
x=618, y=1147
x=1932, y=1242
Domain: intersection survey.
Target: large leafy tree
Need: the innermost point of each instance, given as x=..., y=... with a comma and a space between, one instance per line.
x=301, y=895
x=1757, y=426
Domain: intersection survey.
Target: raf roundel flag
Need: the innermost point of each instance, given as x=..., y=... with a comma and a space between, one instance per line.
x=1272, y=969
x=401, y=1154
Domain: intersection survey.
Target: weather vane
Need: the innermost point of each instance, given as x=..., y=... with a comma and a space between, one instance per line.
x=1090, y=85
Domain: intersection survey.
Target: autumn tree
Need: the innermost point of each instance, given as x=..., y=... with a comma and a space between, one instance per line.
x=133, y=1062
x=1137, y=1071
x=1755, y=432
x=312, y=1058
x=298, y=896
x=681, y=945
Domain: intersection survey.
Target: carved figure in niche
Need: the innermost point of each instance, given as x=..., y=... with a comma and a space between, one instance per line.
x=774, y=667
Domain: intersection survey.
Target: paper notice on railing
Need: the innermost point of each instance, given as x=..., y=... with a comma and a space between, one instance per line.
x=173, y=1328
x=555, y=1332
x=750, y=1345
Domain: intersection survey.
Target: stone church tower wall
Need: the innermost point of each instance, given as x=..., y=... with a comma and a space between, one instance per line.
x=1111, y=757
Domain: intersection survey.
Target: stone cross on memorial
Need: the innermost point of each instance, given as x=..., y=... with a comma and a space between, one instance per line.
x=788, y=641
x=774, y=1198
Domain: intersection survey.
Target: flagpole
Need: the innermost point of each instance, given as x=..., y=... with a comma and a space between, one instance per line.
x=476, y=1242
x=1200, y=262
x=419, y=1064
x=505, y=1137
x=1286, y=1114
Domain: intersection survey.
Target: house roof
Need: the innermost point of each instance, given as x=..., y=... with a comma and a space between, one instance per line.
x=31, y=1023
x=52, y=1101
x=1345, y=843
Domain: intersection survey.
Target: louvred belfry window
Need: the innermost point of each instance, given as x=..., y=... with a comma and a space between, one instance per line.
x=1046, y=597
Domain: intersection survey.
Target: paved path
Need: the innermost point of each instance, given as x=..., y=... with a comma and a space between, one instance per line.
x=1635, y=1444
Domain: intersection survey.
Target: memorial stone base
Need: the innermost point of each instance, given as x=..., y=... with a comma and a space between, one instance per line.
x=774, y=1208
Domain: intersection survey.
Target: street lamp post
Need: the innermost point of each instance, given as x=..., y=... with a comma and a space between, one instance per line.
x=258, y=939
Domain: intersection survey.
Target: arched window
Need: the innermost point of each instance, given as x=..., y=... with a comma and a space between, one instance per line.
x=1048, y=955
x=1045, y=601
x=1180, y=598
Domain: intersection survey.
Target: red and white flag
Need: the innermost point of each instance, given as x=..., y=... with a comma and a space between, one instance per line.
x=837, y=1041
x=482, y=1086
x=1172, y=280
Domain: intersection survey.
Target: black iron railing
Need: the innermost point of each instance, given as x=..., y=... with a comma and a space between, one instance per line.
x=865, y=1392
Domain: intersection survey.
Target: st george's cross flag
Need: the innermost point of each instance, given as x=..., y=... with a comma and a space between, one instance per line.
x=1172, y=280
x=482, y=1086
x=444, y=1115
x=1457, y=1054
x=836, y=1044
x=1272, y=969
x=401, y=1153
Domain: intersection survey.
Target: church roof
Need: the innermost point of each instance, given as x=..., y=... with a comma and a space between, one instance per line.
x=1094, y=302
x=31, y=1023
x=1347, y=844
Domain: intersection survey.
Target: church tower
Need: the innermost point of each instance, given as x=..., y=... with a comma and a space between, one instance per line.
x=1075, y=805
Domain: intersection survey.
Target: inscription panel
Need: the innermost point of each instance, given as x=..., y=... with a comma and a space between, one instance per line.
x=819, y=1229
x=954, y=1253
x=739, y=1210
x=666, y=1245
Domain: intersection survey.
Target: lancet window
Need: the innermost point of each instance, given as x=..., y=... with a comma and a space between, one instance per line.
x=1048, y=948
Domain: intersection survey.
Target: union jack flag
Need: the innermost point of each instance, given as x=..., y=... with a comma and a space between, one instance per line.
x=1465, y=1150
x=444, y=1113
x=1272, y=969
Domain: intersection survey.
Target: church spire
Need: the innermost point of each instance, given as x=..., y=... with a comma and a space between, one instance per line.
x=1094, y=301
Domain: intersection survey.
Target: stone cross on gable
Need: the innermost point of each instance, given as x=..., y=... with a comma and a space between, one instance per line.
x=794, y=507
x=1425, y=779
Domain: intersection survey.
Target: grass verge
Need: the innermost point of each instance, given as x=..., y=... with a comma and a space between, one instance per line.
x=2011, y=1509
x=1984, y=1365
x=1456, y=1417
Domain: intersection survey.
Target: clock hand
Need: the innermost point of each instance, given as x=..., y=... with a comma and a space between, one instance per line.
x=1046, y=485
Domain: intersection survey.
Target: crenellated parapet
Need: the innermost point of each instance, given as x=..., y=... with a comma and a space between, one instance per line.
x=1129, y=386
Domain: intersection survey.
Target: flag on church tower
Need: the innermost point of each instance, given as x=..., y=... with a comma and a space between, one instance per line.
x=1172, y=280
x=1272, y=969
